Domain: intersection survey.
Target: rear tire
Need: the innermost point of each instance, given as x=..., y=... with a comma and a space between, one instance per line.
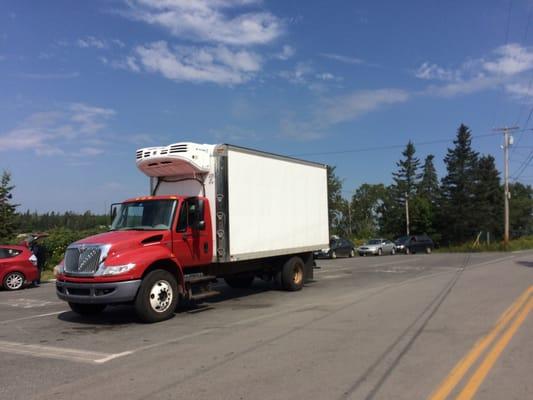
x=14, y=281
x=239, y=281
x=157, y=297
x=87, y=309
x=292, y=274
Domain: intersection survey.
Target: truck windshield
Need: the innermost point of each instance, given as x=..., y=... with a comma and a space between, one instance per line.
x=144, y=215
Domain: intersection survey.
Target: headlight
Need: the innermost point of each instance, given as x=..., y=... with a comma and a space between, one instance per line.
x=117, y=269
x=59, y=268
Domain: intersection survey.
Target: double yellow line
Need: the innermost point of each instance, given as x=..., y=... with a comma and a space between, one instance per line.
x=509, y=322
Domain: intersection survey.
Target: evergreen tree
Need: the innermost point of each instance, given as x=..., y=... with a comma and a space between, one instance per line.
x=428, y=187
x=458, y=221
x=7, y=209
x=336, y=204
x=488, y=210
x=521, y=209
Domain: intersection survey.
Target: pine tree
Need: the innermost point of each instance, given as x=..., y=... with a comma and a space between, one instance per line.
x=7, y=209
x=336, y=204
x=428, y=187
x=458, y=189
x=488, y=197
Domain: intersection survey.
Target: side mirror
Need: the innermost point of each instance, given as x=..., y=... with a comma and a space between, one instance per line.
x=199, y=226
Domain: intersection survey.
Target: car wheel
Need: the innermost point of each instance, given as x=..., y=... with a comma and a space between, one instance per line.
x=333, y=254
x=428, y=250
x=86, y=309
x=157, y=296
x=14, y=281
x=380, y=252
x=352, y=253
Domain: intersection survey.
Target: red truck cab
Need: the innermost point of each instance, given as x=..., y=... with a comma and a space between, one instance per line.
x=153, y=234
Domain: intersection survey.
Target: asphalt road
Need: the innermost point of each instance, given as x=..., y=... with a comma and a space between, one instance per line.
x=393, y=327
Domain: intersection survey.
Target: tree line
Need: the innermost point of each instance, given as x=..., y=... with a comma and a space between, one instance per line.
x=466, y=202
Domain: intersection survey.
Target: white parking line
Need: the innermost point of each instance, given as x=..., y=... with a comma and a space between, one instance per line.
x=59, y=353
x=32, y=317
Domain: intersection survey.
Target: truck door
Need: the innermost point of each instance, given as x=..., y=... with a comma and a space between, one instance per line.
x=192, y=238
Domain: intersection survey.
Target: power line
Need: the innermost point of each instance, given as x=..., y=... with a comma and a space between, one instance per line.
x=390, y=147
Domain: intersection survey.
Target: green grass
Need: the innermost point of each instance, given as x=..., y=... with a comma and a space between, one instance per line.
x=46, y=275
x=523, y=243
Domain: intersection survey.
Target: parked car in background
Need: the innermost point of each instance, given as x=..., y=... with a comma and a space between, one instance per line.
x=18, y=267
x=338, y=247
x=415, y=244
x=377, y=247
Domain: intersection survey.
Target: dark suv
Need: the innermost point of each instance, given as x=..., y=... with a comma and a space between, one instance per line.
x=415, y=244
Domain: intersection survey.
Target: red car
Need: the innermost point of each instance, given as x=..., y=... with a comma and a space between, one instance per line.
x=18, y=266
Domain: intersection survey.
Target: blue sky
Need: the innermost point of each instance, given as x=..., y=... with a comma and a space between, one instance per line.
x=84, y=84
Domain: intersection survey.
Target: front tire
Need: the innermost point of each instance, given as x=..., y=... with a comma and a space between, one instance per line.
x=292, y=274
x=157, y=297
x=86, y=309
x=14, y=281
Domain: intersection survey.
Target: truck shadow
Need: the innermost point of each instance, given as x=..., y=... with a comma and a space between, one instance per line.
x=115, y=317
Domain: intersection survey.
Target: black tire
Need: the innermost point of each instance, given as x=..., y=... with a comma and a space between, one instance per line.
x=154, y=293
x=333, y=254
x=352, y=253
x=87, y=309
x=239, y=281
x=292, y=274
x=14, y=281
x=380, y=252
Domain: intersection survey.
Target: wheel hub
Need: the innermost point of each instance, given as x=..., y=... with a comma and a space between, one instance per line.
x=161, y=296
x=14, y=281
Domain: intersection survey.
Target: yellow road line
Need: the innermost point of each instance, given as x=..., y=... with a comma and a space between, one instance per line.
x=462, y=367
x=479, y=376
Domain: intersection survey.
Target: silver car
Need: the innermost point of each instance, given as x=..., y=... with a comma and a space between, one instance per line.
x=377, y=247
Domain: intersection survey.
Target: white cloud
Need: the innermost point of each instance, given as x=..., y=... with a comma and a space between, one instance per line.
x=98, y=43
x=326, y=76
x=511, y=59
x=299, y=75
x=349, y=107
x=501, y=68
x=286, y=53
x=219, y=21
x=434, y=72
x=342, y=58
x=219, y=64
x=58, y=132
x=520, y=90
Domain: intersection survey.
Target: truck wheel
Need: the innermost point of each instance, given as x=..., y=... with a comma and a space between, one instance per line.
x=292, y=274
x=239, y=281
x=86, y=309
x=157, y=296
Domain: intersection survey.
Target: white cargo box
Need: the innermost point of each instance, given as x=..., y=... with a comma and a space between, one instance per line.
x=262, y=204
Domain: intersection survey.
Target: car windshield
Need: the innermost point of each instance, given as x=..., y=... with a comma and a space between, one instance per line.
x=144, y=215
x=402, y=239
x=374, y=241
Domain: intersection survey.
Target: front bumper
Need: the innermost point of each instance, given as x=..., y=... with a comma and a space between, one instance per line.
x=367, y=251
x=98, y=293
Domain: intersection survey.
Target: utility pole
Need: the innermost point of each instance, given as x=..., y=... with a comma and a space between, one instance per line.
x=407, y=213
x=507, y=141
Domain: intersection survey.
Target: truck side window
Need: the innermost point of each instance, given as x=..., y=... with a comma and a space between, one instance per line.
x=189, y=214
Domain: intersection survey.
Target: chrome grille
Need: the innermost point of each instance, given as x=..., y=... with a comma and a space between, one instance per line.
x=82, y=260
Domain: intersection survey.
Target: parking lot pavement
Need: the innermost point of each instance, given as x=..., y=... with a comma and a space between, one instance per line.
x=367, y=327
